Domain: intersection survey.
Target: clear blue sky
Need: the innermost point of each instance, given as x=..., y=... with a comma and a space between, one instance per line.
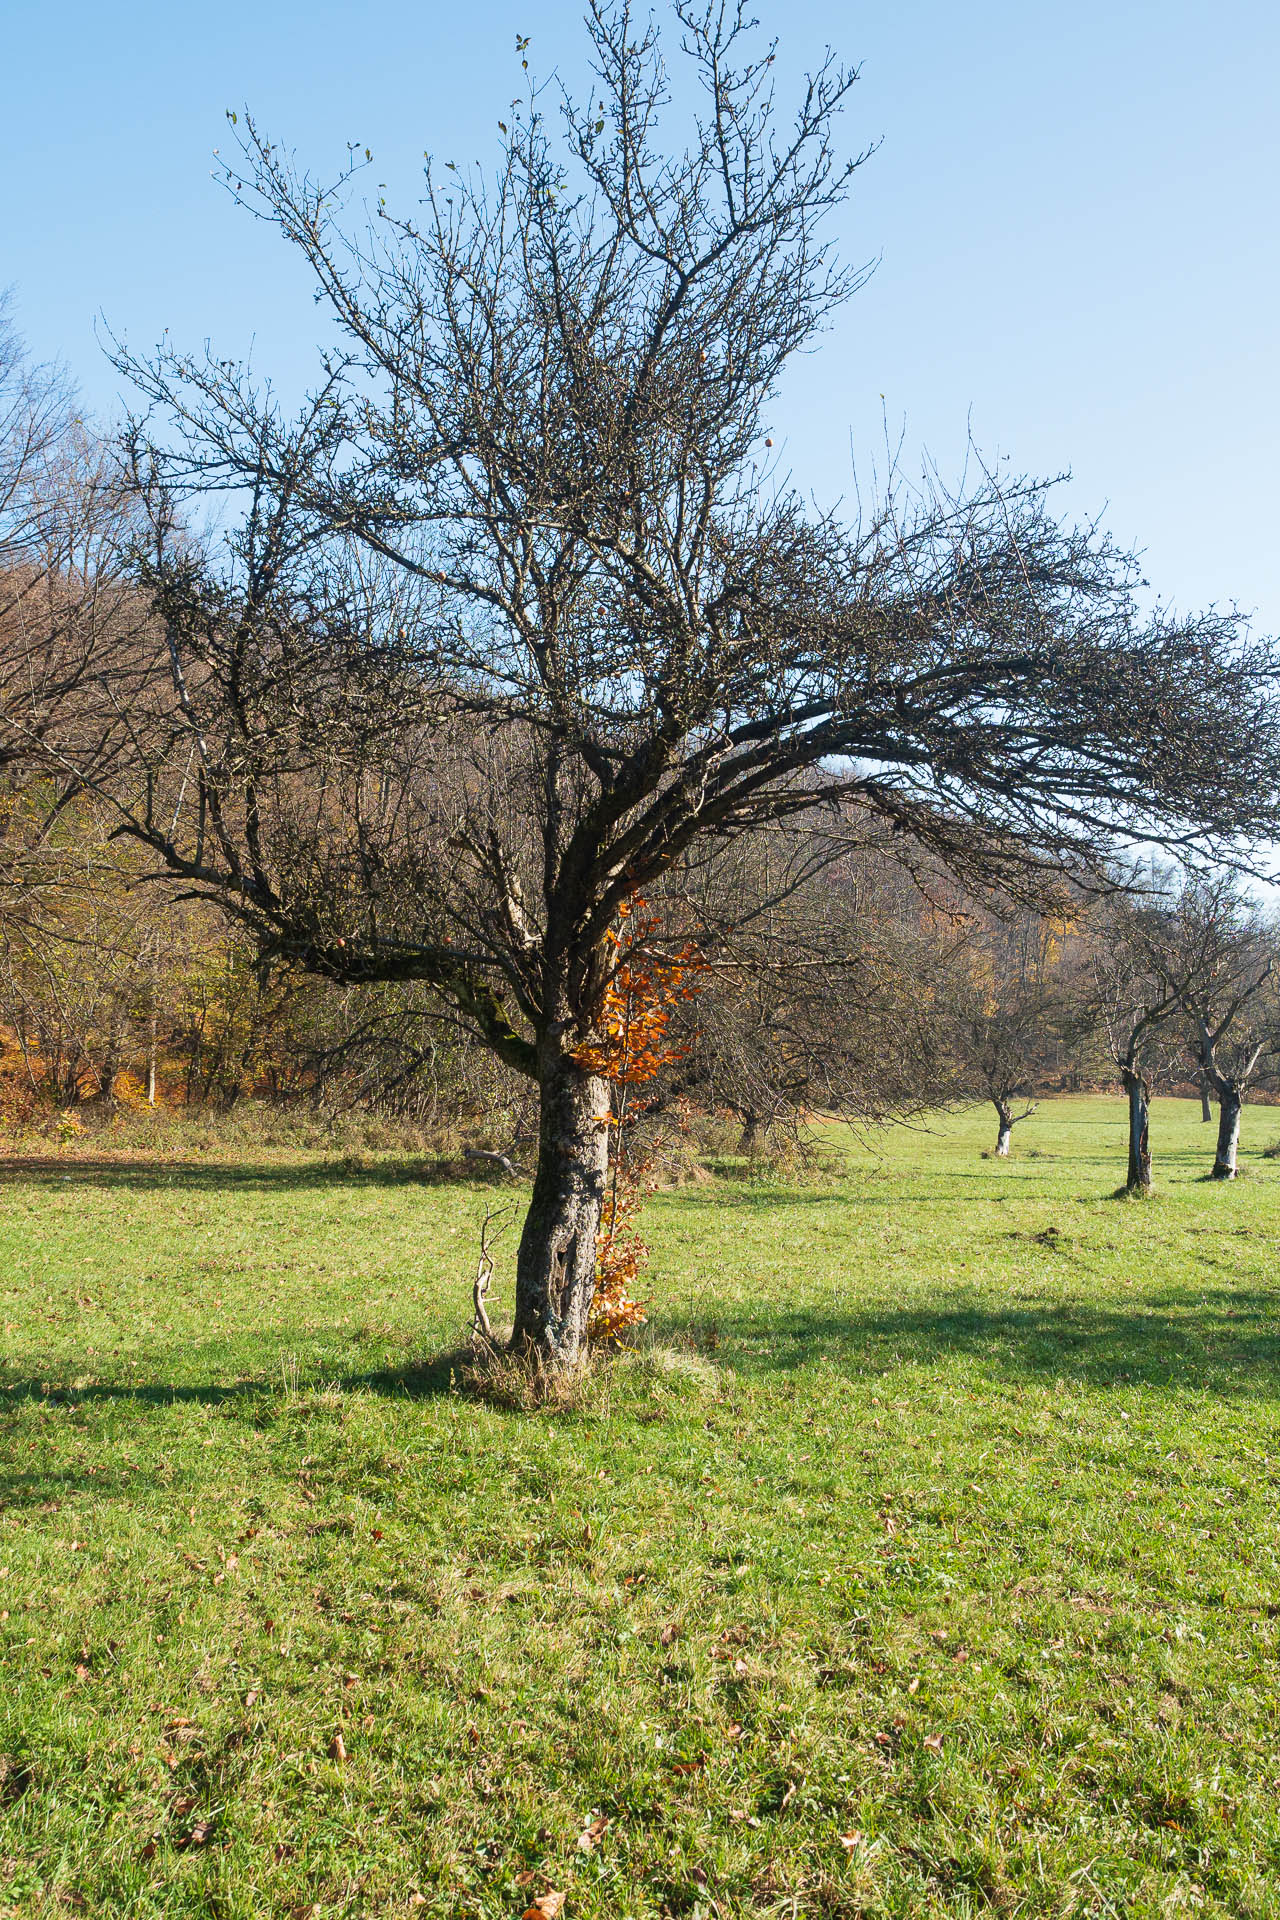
x=1074, y=210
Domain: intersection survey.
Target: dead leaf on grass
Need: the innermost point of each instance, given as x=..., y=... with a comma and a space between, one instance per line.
x=545, y=1907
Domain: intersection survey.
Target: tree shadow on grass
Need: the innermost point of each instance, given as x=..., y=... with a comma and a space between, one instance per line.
x=416, y=1380
x=1223, y=1341
x=1219, y=1341
x=257, y=1400
x=147, y=1176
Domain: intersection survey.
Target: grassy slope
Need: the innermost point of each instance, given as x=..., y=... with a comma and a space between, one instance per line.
x=952, y=1528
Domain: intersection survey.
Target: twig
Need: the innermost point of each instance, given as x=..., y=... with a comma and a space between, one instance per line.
x=497, y=1220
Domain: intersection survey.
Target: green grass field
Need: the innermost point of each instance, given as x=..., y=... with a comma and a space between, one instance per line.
x=926, y=1564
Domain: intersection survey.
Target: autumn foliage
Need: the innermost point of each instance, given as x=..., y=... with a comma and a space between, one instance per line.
x=645, y=989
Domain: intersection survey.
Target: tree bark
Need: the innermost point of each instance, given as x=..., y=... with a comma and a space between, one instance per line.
x=1139, y=1179
x=1206, y=1111
x=1005, y=1132
x=1224, y=1160
x=556, y=1264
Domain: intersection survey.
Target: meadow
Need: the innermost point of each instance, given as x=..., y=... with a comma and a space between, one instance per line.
x=921, y=1561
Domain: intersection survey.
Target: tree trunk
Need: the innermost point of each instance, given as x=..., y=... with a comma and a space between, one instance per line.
x=1224, y=1160
x=1206, y=1111
x=153, y=1033
x=556, y=1264
x=749, y=1139
x=1139, y=1179
x=1005, y=1132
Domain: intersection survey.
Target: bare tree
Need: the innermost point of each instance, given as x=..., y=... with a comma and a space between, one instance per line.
x=1137, y=999
x=1218, y=955
x=516, y=614
x=1004, y=1045
x=1013, y=1014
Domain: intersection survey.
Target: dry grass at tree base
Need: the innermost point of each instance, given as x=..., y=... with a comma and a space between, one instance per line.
x=924, y=1563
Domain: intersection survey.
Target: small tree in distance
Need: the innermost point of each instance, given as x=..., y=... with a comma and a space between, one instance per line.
x=516, y=621
x=1011, y=1013
x=1218, y=955
x=1188, y=968
x=1137, y=1003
